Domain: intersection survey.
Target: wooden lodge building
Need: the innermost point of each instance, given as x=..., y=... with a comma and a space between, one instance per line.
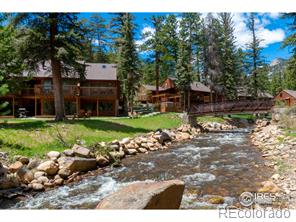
x=169, y=97
x=288, y=97
x=96, y=95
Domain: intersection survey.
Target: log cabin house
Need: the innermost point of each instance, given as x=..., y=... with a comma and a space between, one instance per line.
x=288, y=97
x=95, y=95
x=169, y=97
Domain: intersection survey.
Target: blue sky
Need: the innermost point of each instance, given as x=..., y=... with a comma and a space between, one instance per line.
x=270, y=27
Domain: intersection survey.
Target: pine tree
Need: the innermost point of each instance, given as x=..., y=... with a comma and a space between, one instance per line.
x=11, y=65
x=155, y=43
x=229, y=79
x=98, y=31
x=212, y=60
x=127, y=60
x=254, y=57
x=54, y=37
x=290, y=41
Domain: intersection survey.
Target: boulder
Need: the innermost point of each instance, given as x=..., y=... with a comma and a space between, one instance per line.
x=59, y=182
x=64, y=173
x=9, y=181
x=15, y=166
x=37, y=186
x=81, y=151
x=24, y=160
x=25, y=175
x=33, y=164
x=102, y=161
x=142, y=150
x=125, y=141
x=53, y=155
x=144, y=195
x=68, y=152
x=76, y=164
x=39, y=174
x=117, y=154
x=131, y=151
x=269, y=187
x=43, y=180
x=163, y=137
x=50, y=167
x=3, y=171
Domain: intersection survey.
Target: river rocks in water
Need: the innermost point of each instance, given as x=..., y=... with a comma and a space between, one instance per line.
x=53, y=155
x=81, y=151
x=142, y=150
x=50, y=167
x=64, y=173
x=9, y=181
x=117, y=154
x=269, y=187
x=25, y=175
x=37, y=186
x=131, y=151
x=275, y=176
x=143, y=195
x=68, y=152
x=24, y=160
x=102, y=161
x=76, y=164
x=182, y=136
x=33, y=164
x=216, y=200
x=15, y=166
x=59, y=182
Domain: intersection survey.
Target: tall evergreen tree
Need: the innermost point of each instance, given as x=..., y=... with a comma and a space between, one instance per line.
x=98, y=33
x=53, y=37
x=213, y=69
x=254, y=57
x=11, y=65
x=127, y=60
x=290, y=42
x=229, y=79
x=155, y=43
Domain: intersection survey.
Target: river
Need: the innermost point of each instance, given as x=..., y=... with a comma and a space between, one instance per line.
x=222, y=163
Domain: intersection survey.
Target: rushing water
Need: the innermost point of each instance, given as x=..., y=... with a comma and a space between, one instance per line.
x=223, y=164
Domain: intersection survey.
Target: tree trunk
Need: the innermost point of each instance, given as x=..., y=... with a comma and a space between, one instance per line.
x=56, y=72
x=188, y=100
x=157, y=71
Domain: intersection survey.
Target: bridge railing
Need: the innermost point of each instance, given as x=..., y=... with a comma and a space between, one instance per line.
x=232, y=106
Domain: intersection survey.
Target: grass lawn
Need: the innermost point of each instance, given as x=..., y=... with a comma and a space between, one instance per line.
x=35, y=137
x=204, y=119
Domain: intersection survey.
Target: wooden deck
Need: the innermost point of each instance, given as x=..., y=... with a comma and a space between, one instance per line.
x=231, y=107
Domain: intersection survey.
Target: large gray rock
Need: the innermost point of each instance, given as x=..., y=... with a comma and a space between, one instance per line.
x=25, y=175
x=50, y=167
x=53, y=155
x=81, y=151
x=77, y=164
x=163, y=137
x=158, y=195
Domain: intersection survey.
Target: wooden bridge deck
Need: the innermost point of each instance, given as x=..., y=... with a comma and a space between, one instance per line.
x=232, y=107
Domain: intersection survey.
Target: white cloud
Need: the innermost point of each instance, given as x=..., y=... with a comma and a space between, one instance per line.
x=268, y=36
x=241, y=31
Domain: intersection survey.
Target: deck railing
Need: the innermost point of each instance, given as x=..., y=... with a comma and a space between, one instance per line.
x=231, y=107
x=70, y=90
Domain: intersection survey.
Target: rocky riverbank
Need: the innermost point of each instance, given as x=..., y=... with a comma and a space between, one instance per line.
x=59, y=168
x=279, y=152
